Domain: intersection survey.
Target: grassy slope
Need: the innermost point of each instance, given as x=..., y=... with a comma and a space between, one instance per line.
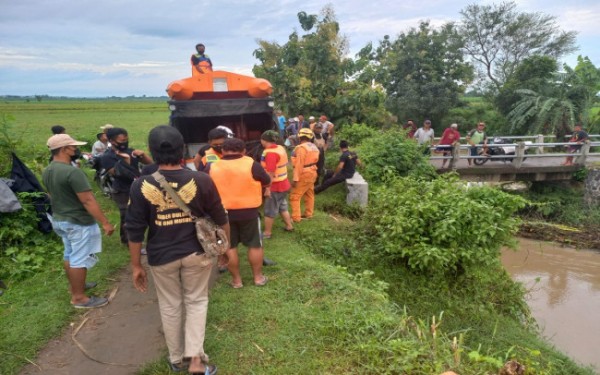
x=311, y=316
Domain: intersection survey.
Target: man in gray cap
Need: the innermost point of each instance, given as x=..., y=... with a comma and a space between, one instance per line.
x=75, y=213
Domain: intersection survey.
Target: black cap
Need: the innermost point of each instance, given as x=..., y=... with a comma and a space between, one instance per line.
x=164, y=138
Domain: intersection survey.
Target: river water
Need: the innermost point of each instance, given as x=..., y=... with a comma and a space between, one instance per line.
x=564, y=294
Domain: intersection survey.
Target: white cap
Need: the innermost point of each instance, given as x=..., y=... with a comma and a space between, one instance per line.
x=454, y=126
x=62, y=140
x=107, y=126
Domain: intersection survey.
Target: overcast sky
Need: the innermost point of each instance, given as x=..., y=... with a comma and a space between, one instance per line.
x=136, y=47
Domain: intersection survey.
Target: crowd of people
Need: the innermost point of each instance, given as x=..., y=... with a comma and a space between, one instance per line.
x=227, y=187
x=476, y=138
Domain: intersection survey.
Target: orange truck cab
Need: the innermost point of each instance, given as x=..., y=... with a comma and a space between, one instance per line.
x=209, y=98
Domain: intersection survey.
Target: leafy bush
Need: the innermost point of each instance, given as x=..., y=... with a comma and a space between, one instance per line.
x=23, y=249
x=391, y=153
x=355, y=134
x=441, y=225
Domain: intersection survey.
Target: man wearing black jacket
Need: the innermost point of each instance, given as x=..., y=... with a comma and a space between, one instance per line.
x=122, y=163
x=179, y=266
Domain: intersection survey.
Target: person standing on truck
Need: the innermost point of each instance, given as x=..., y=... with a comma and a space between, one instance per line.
x=200, y=60
x=304, y=159
x=213, y=152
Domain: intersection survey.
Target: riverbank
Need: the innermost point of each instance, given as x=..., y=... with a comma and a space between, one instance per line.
x=576, y=237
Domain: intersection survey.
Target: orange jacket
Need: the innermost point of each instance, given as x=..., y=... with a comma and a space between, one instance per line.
x=236, y=186
x=281, y=170
x=304, y=158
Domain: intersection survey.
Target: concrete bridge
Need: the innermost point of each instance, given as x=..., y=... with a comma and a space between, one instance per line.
x=529, y=160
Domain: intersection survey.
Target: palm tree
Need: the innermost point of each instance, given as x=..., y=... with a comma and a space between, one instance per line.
x=536, y=113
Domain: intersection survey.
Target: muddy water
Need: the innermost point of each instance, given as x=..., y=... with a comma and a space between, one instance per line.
x=564, y=294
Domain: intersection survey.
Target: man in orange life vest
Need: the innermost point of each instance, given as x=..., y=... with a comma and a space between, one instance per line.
x=304, y=158
x=239, y=180
x=206, y=156
x=274, y=160
x=200, y=60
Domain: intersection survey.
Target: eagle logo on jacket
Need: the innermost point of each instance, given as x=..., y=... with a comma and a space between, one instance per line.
x=160, y=198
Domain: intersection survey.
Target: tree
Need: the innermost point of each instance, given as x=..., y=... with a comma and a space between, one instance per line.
x=310, y=73
x=422, y=71
x=498, y=38
x=557, y=105
x=533, y=73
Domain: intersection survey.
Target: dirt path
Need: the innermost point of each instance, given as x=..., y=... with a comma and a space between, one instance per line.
x=120, y=337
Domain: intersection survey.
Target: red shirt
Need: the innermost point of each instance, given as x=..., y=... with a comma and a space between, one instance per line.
x=271, y=162
x=449, y=136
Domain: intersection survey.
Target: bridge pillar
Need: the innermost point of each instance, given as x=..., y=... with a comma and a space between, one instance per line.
x=540, y=139
x=455, y=155
x=591, y=195
x=520, y=154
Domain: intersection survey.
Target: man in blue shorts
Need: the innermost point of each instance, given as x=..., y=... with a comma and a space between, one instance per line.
x=75, y=212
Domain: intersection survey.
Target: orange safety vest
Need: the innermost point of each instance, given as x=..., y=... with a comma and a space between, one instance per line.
x=236, y=186
x=281, y=170
x=210, y=156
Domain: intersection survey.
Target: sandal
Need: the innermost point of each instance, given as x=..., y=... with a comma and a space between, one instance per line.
x=176, y=367
x=236, y=286
x=266, y=236
x=288, y=230
x=262, y=282
x=208, y=370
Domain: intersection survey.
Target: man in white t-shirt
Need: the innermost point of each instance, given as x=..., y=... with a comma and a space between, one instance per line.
x=424, y=135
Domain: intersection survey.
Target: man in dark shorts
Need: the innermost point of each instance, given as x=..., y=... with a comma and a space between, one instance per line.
x=345, y=169
x=240, y=181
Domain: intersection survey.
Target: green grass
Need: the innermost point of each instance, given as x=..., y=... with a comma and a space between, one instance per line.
x=326, y=309
x=37, y=309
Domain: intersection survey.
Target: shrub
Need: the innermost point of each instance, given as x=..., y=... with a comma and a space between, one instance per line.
x=355, y=134
x=440, y=225
x=391, y=153
x=23, y=249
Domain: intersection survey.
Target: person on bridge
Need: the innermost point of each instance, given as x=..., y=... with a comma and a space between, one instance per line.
x=449, y=138
x=424, y=136
x=410, y=128
x=579, y=136
x=475, y=138
x=200, y=60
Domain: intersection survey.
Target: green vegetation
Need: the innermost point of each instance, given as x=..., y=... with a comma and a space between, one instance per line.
x=338, y=301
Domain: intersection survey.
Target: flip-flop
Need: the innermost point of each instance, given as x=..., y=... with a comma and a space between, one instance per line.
x=236, y=286
x=266, y=236
x=288, y=230
x=262, y=282
x=208, y=370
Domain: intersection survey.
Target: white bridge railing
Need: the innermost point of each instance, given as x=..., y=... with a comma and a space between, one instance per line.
x=522, y=150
